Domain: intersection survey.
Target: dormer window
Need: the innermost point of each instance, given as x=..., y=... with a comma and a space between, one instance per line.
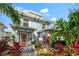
x=35, y=20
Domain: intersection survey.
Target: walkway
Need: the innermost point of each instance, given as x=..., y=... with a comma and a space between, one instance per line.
x=29, y=54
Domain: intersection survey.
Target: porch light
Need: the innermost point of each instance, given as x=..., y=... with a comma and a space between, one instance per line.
x=16, y=31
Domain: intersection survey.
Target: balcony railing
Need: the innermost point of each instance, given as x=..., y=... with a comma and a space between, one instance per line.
x=25, y=24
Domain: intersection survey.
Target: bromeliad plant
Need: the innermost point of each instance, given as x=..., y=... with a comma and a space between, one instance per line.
x=15, y=50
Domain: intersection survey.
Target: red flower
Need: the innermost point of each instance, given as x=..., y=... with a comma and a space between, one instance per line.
x=76, y=45
x=59, y=45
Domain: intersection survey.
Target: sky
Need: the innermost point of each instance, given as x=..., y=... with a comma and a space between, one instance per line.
x=50, y=11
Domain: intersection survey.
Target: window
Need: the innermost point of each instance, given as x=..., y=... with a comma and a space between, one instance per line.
x=43, y=26
x=25, y=24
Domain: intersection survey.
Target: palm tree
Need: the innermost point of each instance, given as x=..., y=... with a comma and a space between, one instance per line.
x=74, y=18
x=8, y=9
x=68, y=29
x=62, y=29
x=74, y=22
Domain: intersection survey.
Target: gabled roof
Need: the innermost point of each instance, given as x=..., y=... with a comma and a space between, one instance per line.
x=32, y=14
x=35, y=13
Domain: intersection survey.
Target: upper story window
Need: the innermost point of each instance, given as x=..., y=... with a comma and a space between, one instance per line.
x=25, y=22
x=43, y=26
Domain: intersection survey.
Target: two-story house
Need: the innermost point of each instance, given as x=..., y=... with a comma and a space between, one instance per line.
x=29, y=22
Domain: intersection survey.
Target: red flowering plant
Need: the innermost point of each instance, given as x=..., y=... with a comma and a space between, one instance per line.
x=75, y=45
x=15, y=49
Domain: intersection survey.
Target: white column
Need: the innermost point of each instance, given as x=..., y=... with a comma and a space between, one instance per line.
x=19, y=36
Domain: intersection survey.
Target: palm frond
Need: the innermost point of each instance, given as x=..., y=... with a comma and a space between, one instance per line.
x=8, y=9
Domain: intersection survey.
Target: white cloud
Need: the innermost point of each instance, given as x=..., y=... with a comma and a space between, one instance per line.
x=45, y=10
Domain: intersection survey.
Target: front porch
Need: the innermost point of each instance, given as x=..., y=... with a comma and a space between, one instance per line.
x=24, y=33
x=24, y=36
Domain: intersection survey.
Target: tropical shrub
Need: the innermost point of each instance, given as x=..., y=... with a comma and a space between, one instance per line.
x=15, y=50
